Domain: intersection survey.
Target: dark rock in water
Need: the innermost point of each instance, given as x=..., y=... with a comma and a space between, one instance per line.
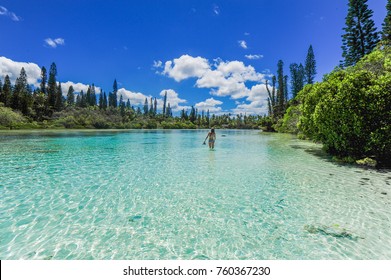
x=201, y=257
x=48, y=258
x=333, y=231
x=135, y=218
x=384, y=193
x=366, y=179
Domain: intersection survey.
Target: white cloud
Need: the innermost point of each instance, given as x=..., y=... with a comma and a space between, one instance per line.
x=186, y=67
x=216, y=10
x=4, y=12
x=258, y=102
x=12, y=69
x=157, y=64
x=246, y=34
x=173, y=99
x=53, y=43
x=223, y=78
x=210, y=104
x=135, y=98
x=243, y=44
x=254, y=56
x=78, y=87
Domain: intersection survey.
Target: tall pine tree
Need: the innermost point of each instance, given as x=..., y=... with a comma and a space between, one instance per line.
x=164, y=103
x=114, y=94
x=22, y=98
x=44, y=78
x=386, y=32
x=52, y=85
x=7, y=91
x=297, y=78
x=71, y=96
x=281, y=88
x=146, y=106
x=310, y=66
x=58, y=104
x=360, y=36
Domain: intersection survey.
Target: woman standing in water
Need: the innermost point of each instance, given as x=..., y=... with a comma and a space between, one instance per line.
x=212, y=138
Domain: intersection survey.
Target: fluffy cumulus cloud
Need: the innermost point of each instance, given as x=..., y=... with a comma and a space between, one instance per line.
x=256, y=102
x=78, y=87
x=173, y=99
x=186, y=67
x=12, y=69
x=135, y=98
x=4, y=12
x=210, y=104
x=224, y=79
x=33, y=72
x=53, y=43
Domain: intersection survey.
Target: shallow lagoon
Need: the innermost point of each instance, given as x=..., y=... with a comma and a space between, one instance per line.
x=161, y=194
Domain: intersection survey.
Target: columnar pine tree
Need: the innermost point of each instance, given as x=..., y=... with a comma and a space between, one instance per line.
x=128, y=104
x=44, y=78
x=151, y=108
x=164, y=103
x=78, y=101
x=21, y=97
x=281, y=88
x=92, y=100
x=297, y=78
x=101, y=100
x=122, y=106
x=104, y=101
x=168, y=109
x=71, y=96
x=193, y=115
x=7, y=91
x=310, y=66
x=52, y=85
x=88, y=95
x=58, y=105
x=386, y=32
x=115, y=90
x=360, y=36
x=146, y=106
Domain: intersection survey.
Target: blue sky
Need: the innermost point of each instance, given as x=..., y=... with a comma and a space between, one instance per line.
x=214, y=55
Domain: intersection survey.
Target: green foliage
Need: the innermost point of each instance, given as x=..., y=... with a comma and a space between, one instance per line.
x=386, y=32
x=10, y=119
x=289, y=123
x=360, y=36
x=297, y=78
x=350, y=111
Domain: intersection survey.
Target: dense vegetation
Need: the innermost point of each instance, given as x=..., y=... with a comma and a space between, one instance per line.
x=350, y=110
x=46, y=107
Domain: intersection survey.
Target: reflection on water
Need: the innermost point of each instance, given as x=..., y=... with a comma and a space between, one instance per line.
x=160, y=194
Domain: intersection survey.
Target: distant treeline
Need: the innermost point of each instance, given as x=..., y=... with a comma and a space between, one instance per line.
x=46, y=107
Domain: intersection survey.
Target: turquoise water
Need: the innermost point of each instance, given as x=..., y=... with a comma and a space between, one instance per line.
x=163, y=195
